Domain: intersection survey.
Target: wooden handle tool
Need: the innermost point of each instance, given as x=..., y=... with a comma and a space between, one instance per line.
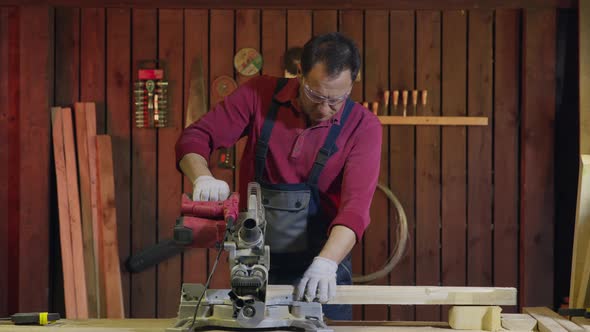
x=375, y=107
x=415, y=100
x=405, y=101
x=395, y=100
x=385, y=102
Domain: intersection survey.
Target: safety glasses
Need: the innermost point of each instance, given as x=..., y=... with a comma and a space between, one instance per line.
x=317, y=98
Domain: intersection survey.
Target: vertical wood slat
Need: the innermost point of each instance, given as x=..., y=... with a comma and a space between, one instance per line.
x=324, y=21
x=9, y=157
x=376, y=81
x=118, y=108
x=536, y=183
x=113, y=291
x=351, y=24
x=170, y=45
x=299, y=26
x=64, y=214
x=143, y=172
x=196, y=40
x=34, y=173
x=401, y=152
x=454, y=151
x=92, y=61
x=506, y=119
x=274, y=26
x=428, y=159
x=90, y=255
x=479, y=149
x=247, y=36
x=67, y=61
x=221, y=63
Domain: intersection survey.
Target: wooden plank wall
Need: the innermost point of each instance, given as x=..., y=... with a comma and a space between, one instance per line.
x=479, y=201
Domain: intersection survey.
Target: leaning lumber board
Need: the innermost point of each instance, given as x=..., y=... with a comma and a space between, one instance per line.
x=111, y=272
x=550, y=321
x=583, y=322
x=90, y=263
x=64, y=213
x=362, y=294
x=580, y=259
x=90, y=115
x=75, y=216
x=518, y=322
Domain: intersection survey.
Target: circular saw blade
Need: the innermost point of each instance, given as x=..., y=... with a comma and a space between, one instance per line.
x=248, y=61
x=221, y=87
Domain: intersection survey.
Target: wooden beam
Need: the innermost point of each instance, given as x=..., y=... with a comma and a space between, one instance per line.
x=550, y=321
x=357, y=294
x=307, y=4
x=581, y=249
x=434, y=120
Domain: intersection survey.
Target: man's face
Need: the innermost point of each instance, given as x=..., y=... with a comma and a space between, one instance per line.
x=322, y=96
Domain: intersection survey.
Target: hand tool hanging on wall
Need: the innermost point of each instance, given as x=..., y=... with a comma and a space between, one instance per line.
x=405, y=101
x=151, y=96
x=415, y=100
x=385, y=102
x=395, y=101
x=424, y=97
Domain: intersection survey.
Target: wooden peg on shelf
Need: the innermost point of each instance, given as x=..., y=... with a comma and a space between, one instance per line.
x=385, y=102
x=375, y=107
x=415, y=100
x=395, y=100
x=405, y=101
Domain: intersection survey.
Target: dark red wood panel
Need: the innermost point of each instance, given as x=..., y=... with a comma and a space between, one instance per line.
x=247, y=36
x=9, y=158
x=221, y=55
x=169, y=180
x=454, y=89
x=479, y=150
x=537, y=178
x=35, y=141
x=92, y=62
x=67, y=56
x=325, y=21
x=402, y=161
x=143, y=169
x=506, y=118
x=454, y=151
x=270, y=4
x=428, y=156
x=196, y=39
x=274, y=27
x=298, y=27
x=118, y=107
x=351, y=24
x=376, y=81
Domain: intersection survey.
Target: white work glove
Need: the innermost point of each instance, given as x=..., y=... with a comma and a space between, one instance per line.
x=319, y=281
x=208, y=188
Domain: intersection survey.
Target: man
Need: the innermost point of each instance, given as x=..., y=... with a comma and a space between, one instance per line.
x=316, y=155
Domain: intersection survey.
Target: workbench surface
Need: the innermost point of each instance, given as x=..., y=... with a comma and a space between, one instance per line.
x=159, y=325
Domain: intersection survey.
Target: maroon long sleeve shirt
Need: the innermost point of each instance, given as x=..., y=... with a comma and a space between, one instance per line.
x=348, y=181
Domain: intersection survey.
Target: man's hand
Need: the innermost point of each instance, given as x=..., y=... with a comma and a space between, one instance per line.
x=319, y=281
x=208, y=188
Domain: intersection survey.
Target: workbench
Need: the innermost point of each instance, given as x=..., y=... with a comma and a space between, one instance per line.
x=159, y=325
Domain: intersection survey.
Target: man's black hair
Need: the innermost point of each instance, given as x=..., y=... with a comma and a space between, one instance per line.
x=336, y=51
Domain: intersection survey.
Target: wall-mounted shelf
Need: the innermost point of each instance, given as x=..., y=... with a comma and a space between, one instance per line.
x=434, y=120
